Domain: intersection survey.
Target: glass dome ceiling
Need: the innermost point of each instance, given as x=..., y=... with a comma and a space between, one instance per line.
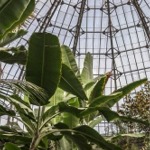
x=115, y=32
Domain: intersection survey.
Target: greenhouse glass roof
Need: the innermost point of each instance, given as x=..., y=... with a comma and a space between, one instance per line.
x=115, y=32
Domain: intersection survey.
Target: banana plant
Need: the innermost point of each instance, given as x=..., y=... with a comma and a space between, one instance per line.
x=84, y=101
x=92, y=89
x=33, y=103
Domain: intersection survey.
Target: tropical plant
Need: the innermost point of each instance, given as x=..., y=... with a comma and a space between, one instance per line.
x=40, y=106
x=40, y=130
x=13, y=13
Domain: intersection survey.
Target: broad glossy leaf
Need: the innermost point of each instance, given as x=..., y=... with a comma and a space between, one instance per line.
x=69, y=60
x=11, y=146
x=87, y=72
x=76, y=138
x=112, y=115
x=88, y=87
x=79, y=140
x=14, y=13
x=44, y=63
x=10, y=37
x=93, y=136
x=126, y=90
x=56, y=98
x=70, y=115
x=63, y=107
x=102, y=100
x=70, y=83
x=99, y=87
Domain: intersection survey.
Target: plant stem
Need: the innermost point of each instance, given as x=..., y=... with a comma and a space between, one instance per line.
x=34, y=142
x=35, y=139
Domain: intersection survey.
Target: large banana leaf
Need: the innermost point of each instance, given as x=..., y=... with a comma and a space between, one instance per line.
x=14, y=13
x=99, y=87
x=104, y=99
x=70, y=83
x=56, y=98
x=87, y=133
x=87, y=72
x=93, y=136
x=72, y=120
x=112, y=115
x=69, y=60
x=10, y=37
x=125, y=90
x=44, y=63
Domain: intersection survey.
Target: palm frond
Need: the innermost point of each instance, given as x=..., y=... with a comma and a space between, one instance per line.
x=10, y=87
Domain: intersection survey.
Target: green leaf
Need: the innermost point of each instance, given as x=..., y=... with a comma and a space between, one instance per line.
x=49, y=115
x=134, y=135
x=13, y=13
x=10, y=37
x=112, y=115
x=126, y=90
x=99, y=87
x=87, y=72
x=70, y=83
x=2, y=3
x=44, y=63
x=14, y=133
x=102, y=100
x=11, y=146
x=70, y=114
x=95, y=122
x=13, y=57
x=27, y=88
x=57, y=97
x=69, y=60
x=80, y=141
x=6, y=111
x=88, y=87
x=63, y=107
x=26, y=115
x=93, y=136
